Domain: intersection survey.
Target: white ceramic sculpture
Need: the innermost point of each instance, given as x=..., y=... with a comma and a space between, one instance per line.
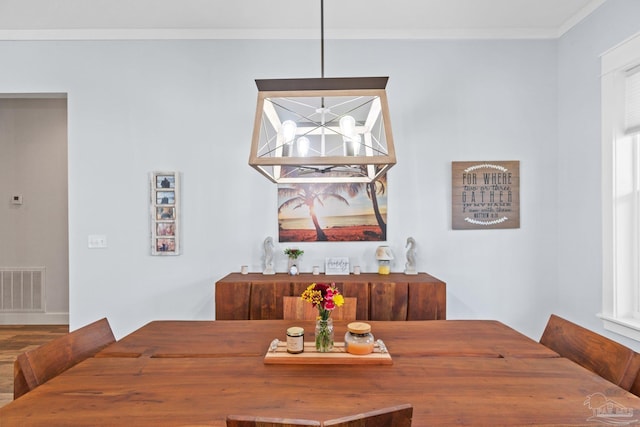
x=268, y=256
x=410, y=266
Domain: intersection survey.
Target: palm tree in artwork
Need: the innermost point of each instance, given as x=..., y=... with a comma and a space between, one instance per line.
x=379, y=186
x=300, y=195
x=374, y=188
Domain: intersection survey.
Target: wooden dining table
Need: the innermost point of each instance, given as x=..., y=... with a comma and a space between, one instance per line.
x=453, y=372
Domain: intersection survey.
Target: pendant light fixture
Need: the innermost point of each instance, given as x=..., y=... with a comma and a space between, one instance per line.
x=322, y=129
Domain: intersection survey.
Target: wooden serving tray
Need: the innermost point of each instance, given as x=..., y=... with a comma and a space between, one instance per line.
x=338, y=356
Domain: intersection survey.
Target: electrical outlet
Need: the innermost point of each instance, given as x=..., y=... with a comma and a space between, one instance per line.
x=97, y=241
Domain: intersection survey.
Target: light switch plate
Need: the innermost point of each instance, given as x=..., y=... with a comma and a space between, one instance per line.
x=97, y=241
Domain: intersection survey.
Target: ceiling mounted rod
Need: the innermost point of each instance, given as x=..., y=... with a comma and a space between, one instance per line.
x=322, y=38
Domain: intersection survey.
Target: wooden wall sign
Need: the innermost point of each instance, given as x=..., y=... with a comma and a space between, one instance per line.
x=485, y=195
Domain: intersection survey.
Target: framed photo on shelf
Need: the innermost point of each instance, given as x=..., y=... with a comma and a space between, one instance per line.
x=165, y=213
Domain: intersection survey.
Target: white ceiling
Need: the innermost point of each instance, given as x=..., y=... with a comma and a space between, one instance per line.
x=147, y=19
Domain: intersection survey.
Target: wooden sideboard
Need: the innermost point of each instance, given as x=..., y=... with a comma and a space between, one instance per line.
x=396, y=296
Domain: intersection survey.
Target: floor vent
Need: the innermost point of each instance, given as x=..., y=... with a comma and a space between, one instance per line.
x=22, y=290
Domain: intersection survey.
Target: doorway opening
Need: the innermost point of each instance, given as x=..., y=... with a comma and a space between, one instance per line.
x=34, y=256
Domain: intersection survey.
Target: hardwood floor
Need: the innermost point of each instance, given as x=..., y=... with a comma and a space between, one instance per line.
x=16, y=339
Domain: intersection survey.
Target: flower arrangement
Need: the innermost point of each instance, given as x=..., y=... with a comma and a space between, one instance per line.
x=293, y=253
x=325, y=297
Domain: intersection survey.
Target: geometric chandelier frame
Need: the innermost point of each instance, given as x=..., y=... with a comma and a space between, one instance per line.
x=334, y=130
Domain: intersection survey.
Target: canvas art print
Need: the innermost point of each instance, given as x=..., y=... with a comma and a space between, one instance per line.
x=333, y=212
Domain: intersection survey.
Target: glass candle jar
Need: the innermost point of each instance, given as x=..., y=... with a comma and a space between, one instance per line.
x=295, y=340
x=358, y=339
x=384, y=267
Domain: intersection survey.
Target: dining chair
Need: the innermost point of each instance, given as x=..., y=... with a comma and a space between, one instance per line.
x=37, y=366
x=394, y=416
x=249, y=421
x=635, y=387
x=295, y=308
x=607, y=358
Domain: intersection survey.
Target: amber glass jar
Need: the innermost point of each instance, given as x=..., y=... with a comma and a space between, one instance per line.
x=295, y=340
x=358, y=339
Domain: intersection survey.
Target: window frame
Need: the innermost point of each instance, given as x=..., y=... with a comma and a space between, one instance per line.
x=620, y=196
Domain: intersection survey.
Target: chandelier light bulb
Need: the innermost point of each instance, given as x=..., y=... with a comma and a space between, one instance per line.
x=288, y=130
x=302, y=144
x=348, y=126
x=355, y=144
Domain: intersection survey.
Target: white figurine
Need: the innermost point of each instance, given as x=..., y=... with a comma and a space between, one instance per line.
x=268, y=256
x=410, y=266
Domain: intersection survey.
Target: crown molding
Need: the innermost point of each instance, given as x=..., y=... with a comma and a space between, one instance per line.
x=272, y=34
x=578, y=17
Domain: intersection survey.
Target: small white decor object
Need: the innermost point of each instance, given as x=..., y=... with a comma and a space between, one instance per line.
x=410, y=266
x=336, y=265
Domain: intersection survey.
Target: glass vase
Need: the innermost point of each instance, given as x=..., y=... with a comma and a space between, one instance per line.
x=324, y=335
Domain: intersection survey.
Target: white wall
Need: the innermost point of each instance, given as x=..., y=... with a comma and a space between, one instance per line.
x=140, y=106
x=473, y=100
x=33, y=164
x=579, y=279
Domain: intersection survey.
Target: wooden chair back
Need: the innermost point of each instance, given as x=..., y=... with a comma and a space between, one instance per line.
x=607, y=358
x=295, y=308
x=20, y=385
x=249, y=421
x=635, y=387
x=35, y=367
x=394, y=416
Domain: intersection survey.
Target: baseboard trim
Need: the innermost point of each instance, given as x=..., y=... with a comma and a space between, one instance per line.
x=34, y=318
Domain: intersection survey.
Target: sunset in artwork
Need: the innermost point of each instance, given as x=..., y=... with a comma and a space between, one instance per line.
x=332, y=212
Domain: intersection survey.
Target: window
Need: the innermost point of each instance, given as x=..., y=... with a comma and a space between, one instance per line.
x=621, y=188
